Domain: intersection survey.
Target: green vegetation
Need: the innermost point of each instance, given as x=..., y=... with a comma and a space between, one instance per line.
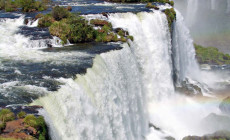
x=45, y=20
x=171, y=16
x=6, y=115
x=21, y=114
x=73, y=27
x=150, y=5
x=59, y=13
x=24, y=5
x=211, y=55
x=38, y=123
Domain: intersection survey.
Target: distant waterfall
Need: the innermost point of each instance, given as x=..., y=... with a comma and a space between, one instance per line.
x=192, y=8
x=228, y=6
x=213, y=4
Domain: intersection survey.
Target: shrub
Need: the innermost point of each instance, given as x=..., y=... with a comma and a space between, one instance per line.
x=60, y=29
x=10, y=6
x=39, y=124
x=6, y=115
x=59, y=13
x=39, y=16
x=31, y=121
x=31, y=5
x=171, y=16
x=46, y=21
x=21, y=114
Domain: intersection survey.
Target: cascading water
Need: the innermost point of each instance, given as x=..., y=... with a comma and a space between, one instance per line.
x=192, y=8
x=118, y=96
x=152, y=47
x=228, y=6
x=185, y=64
x=213, y=4
x=106, y=103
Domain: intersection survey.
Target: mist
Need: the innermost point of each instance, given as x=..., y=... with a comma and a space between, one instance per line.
x=208, y=21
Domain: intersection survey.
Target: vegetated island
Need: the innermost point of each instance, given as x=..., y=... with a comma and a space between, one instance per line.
x=75, y=28
x=211, y=56
x=22, y=125
x=24, y=5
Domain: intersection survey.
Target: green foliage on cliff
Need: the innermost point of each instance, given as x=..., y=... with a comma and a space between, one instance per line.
x=6, y=115
x=38, y=123
x=24, y=5
x=171, y=16
x=211, y=55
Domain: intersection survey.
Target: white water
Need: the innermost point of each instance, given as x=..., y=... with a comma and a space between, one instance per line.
x=106, y=103
x=152, y=47
x=185, y=64
x=228, y=6
x=14, y=46
x=192, y=8
x=213, y=4
x=127, y=89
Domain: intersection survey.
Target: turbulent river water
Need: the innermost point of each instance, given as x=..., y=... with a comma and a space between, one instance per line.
x=96, y=91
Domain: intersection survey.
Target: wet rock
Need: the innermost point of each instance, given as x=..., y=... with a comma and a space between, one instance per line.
x=49, y=45
x=155, y=127
x=169, y=138
x=219, y=135
x=189, y=89
x=225, y=105
x=105, y=14
x=26, y=21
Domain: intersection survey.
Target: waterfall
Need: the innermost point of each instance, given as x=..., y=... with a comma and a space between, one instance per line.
x=185, y=64
x=228, y=6
x=192, y=8
x=152, y=47
x=106, y=103
x=213, y=4
x=127, y=89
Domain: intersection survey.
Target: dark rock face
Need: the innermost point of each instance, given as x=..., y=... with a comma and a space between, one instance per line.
x=189, y=89
x=225, y=105
x=219, y=135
